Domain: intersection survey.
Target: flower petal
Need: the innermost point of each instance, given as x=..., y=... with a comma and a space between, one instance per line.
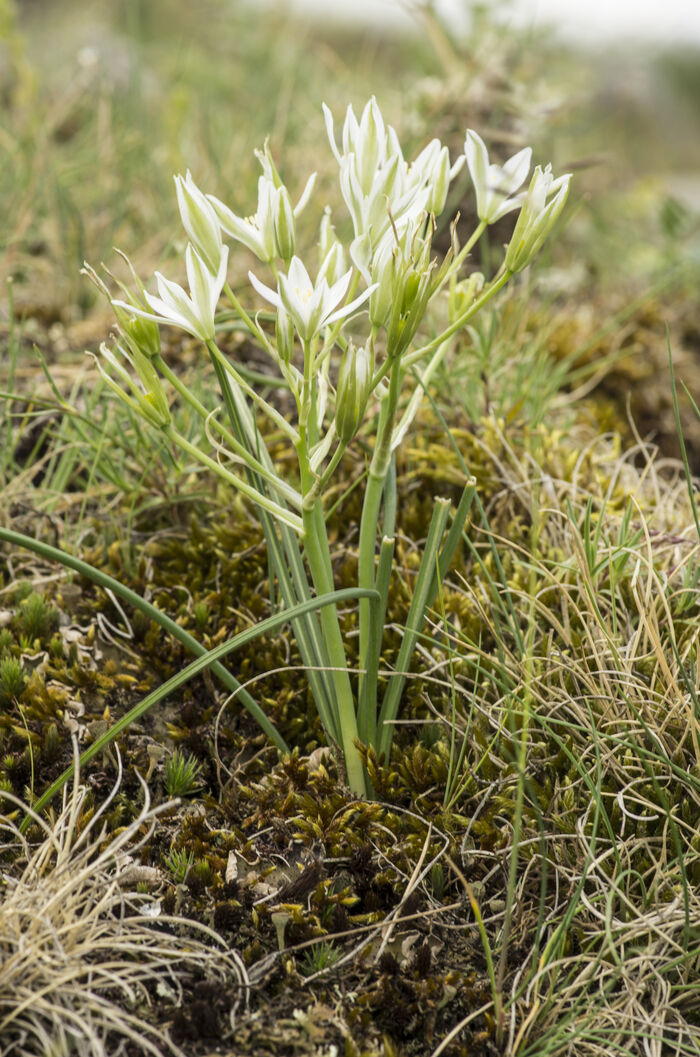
x=347, y=310
x=517, y=168
x=328, y=117
x=298, y=275
x=269, y=295
x=338, y=290
x=305, y=194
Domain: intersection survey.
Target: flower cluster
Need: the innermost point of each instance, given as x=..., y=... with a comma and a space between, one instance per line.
x=377, y=184
x=392, y=204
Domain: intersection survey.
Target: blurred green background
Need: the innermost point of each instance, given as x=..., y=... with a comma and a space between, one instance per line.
x=104, y=101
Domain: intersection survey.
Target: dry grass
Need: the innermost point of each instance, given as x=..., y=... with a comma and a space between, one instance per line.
x=82, y=950
x=602, y=694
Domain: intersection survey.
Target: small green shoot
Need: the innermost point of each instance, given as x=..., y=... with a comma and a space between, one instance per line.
x=182, y=774
x=179, y=862
x=12, y=679
x=321, y=956
x=37, y=619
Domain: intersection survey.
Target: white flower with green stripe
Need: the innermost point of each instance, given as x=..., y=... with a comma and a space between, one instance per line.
x=311, y=306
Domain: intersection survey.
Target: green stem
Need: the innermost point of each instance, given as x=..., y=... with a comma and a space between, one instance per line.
x=281, y=487
x=466, y=248
x=379, y=467
x=286, y=562
x=321, y=481
x=231, y=478
x=319, y=560
x=495, y=286
x=270, y=411
x=412, y=357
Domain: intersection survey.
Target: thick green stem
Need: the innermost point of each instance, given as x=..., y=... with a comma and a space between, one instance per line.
x=287, y=566
x=379, y=467
x=319, y=560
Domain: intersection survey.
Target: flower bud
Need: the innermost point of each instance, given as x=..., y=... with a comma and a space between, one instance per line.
x=332, y=265
x=439, y=183
x=537, y=217
x=352, y=194
x=385, y=267
x=410, y=290
x=284, y=334
x=352, y=391
x=268, y=166
x=200, y=221
x=145, y=394
x=369, y=144
x=464, y=294
x=285, y=239
x=153, y=401
x=143, y=335
x=155, y=408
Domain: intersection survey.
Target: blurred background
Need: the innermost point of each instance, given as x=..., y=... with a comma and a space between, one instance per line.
x=591, y=21
x=103, y=100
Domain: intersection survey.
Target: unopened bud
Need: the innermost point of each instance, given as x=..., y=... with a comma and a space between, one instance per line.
x=439, y=184
x=386, y=263
x=268, y=166
x=154, y=402
x=352, y=391
x=142, y=335
x=537, y=217
x=410, y=290
x=284, y=334
x=369, y=144
x=199, y=221
x=283, y=213
x=332, y=265
x=465, y=292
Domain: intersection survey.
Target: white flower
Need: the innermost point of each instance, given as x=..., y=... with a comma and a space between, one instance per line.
x=269, y=233
x=310, y=306
x=372, y=171
x=377, y=184
x=283, y=220
x=199, y=220
x=257, y=232
x=537, y=217
x=370, y=143
x=495, y=185
x=194, y=312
